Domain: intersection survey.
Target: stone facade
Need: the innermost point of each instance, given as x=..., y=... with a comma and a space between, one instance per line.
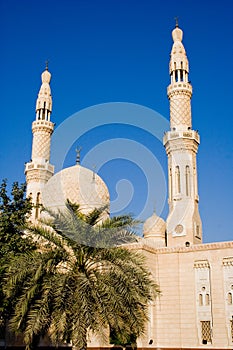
x=193, y=297
x=195, y=309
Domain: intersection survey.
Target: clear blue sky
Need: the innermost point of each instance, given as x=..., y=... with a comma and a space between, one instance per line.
x=102, y=51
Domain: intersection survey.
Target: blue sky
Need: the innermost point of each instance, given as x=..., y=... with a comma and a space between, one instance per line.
x=103, y=51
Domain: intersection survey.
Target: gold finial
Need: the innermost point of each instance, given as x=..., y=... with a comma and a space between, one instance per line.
x=176, y=19
x=78, y=150
x=47, y=64
x=93, y=174
x=154, y=209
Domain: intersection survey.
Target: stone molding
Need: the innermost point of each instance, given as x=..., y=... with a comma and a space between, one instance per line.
x=228, y=261
x=179, y=89
x=182, y=249
x=178, y=92
x=181, y=144
x=42, y=125
x=200, y=264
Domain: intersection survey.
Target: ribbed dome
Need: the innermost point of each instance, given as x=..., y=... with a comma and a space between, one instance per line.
x=154, y=227
x=78, y=184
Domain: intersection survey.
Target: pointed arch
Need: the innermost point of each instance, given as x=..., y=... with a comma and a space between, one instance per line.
x=178, y=188
x=187, y=180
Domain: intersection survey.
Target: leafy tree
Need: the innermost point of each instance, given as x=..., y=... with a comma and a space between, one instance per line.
x=14, y=212
x=80, y=280
x=122, y=340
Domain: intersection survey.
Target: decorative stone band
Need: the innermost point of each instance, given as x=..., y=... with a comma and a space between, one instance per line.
x=191, y=134
x=200, y=264
x=141, y=245
x=34, y=165
x=179, y=89
x=42, y=125
x=228, y=261
x=180, y=144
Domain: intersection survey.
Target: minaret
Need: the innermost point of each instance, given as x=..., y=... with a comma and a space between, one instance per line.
x=38, y=171
x=183, y=223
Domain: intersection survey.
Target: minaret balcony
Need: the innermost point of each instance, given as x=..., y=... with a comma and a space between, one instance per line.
x=189, y=134
x=33, y=165
x=43, y=125
x=179, y=86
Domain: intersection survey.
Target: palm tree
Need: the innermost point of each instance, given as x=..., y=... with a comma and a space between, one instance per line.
x=79, y=280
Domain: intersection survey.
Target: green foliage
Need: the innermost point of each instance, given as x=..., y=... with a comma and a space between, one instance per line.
x=79, y=280
x=14, y=211
x=118, y=337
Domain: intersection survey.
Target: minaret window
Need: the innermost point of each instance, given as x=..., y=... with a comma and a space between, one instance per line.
x=170, y=183
x=43, y=112
x=229, y=298
x=177, y=179
x=197, y=230
x=187, y=180
x=181, y=75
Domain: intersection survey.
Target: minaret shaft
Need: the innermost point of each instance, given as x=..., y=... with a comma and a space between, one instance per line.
x=42, y=131
x=180, y=107
x=38, y=171
x=181, y=143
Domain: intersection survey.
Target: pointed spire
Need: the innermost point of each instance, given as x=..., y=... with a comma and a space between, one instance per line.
x=176, y=19
x=44, y=100
x=180, y=89
x=179, y=66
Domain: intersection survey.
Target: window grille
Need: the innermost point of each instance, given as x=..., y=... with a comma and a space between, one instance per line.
x=206, y=332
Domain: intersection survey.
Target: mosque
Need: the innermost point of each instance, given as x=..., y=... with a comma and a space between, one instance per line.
x=195, y=309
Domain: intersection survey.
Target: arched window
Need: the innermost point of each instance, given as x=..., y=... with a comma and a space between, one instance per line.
x=170, y=183
x=187, y=180
x=229, y=298
x=197, y=231
x=181, y=75
x=204, y=297
x=207, y=299
x=177, y=179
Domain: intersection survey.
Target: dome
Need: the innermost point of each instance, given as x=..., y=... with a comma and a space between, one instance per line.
x=155, y=227
x=78, y=184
